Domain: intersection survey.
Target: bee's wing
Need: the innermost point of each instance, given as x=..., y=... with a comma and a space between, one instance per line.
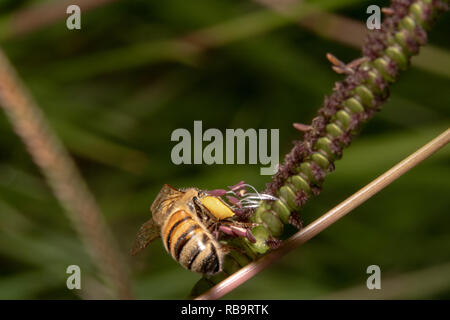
x=165, y=197
x=148, y=232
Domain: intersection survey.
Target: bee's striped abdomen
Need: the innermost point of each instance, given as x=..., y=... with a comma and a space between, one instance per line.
x=175, y=229
x=190, y=245
x=204, y=257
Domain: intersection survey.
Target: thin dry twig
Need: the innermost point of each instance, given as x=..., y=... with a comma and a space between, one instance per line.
x=314, y=228
x=63, y=176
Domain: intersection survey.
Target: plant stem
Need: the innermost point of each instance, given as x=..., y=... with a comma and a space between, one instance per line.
x=329, y=218
x=59, y=169
x=354, y=100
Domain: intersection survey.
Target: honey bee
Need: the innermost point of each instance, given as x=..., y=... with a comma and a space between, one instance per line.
x=188, y=221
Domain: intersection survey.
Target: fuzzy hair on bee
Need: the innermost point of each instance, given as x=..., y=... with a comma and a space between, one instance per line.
x=184, y=230
x=190, y=221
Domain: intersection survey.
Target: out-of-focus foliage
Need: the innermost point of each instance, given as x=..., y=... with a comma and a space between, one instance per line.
x=114, y=94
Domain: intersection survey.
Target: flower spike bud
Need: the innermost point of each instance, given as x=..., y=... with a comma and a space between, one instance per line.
x=302, y=127
x=237, y=186
x=387, y=11
x=341, y=68
x=217, y=192
x=235, y=201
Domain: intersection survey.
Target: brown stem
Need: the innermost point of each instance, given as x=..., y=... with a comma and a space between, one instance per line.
x=64, y=178
x=314, y=228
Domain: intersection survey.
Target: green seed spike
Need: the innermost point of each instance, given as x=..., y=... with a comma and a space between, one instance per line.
x=282, y=210
x=373, y=83
x=288, y=197
x=334, y=130
x=353, y=105
x=306, y=169
x=273, y=223
x=365, y=95
x=323, y=145
x=272, y=215
x=417, y=12
x=261, y=235
x=299, y=182
x=321, y=160
x=381, y=65
x=344, y=118
x=408, y=23
x=400, y=38
x=396, y=54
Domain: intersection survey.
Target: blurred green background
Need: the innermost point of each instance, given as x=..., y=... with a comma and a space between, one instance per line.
x=116, y=89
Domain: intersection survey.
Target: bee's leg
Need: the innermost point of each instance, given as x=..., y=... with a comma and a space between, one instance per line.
x=226, y=249
x=243, y=214
x=239, y=223
x=215, y=231
x=243, y=230
x=232, y=230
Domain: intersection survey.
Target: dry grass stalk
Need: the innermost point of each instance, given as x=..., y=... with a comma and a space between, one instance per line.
x=64, y=178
